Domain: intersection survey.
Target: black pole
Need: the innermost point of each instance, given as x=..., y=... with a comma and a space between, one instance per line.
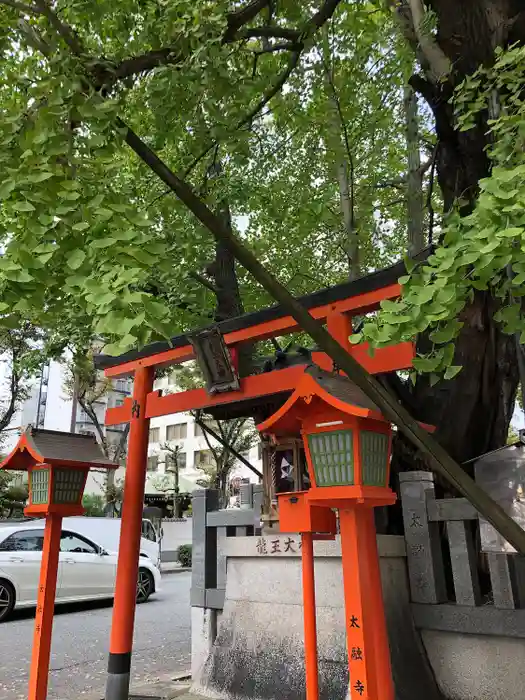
x=223, y=442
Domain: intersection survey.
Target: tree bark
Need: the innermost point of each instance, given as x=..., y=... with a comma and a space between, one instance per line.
x=472, y=412
x=415, y=232
x=228, y=304
x=340, y=146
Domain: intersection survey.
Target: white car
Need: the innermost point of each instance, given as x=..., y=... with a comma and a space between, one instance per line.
x=86, y=570
x=106, y=532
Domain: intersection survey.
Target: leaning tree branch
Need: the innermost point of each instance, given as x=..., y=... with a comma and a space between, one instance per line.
x=436, y=456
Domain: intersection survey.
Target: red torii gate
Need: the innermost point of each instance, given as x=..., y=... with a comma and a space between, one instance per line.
x=334, y=305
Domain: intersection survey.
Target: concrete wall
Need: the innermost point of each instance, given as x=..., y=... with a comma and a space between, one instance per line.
x=258, y=649
x=475, y=667
x=175, y=533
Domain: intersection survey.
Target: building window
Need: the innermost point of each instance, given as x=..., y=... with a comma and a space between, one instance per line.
x=170, y=461
x=210, y=423
x=153, y=462
x=203, y=458
x=154, y=435
x=119, y=401
x=179, y=431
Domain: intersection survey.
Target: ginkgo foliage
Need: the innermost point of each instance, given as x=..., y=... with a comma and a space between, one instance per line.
x=260, y=105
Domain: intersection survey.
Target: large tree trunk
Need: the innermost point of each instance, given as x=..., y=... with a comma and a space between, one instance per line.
x=227, y=293
x=471, y=412
x=223, y=271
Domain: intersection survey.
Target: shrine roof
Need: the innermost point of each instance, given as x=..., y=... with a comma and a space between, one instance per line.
x=335, y=390
x=341, y=388
x=368, y=283
x=51, y=446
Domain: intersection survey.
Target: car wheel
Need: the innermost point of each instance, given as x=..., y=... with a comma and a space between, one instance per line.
x=145, y=585
x=7, y=599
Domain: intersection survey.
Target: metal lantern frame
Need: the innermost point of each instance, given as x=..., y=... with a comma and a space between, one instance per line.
x=56, y=489
x=351, y=472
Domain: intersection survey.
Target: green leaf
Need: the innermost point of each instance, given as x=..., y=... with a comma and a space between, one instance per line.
x=80, y=226
x=139, y=220
x=446, y=333
x=425, y=364
x=512, y=232
x=76, y=258
x=40, y=177
x=69, y=195
x=451, y=371
x=102, y=243
x=65, y=209
x=424, y=295
x=6, y=188
x=23, y=205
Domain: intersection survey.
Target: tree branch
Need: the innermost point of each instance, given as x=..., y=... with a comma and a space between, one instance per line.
x=121, y=444
x=320, y=17
x=237, y=20
x=284, y=46
x=440, y=64
x=270, y=32
x=33, y=38
x=65, y=31
x=202, y=280
x=141, y=64
x=21, y=6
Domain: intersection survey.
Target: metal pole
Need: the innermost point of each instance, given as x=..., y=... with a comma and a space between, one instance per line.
x=309, y=616
x=121, y=641
x=38, y=676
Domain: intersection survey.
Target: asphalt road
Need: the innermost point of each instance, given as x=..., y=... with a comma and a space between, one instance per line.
x=81, y=638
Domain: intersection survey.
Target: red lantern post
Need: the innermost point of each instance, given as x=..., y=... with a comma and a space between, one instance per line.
x=56, y=487
x=347, y=444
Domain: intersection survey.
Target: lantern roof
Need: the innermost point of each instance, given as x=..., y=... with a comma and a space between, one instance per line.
x=318, y=386
x=37, y=446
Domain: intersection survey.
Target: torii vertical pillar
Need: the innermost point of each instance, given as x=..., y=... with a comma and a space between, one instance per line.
x=121, y=640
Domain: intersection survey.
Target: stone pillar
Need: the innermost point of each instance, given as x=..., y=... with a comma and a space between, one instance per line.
x=424, y=556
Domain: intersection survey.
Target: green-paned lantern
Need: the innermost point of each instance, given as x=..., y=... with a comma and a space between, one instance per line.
x=58, y=465
x=347, y=440
x=348, y=451
x=57, y=489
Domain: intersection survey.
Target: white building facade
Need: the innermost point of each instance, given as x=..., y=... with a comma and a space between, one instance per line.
x=180, y=431
x=49, y=406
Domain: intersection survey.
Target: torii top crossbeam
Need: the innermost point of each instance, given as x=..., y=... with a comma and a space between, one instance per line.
x=336, y=305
